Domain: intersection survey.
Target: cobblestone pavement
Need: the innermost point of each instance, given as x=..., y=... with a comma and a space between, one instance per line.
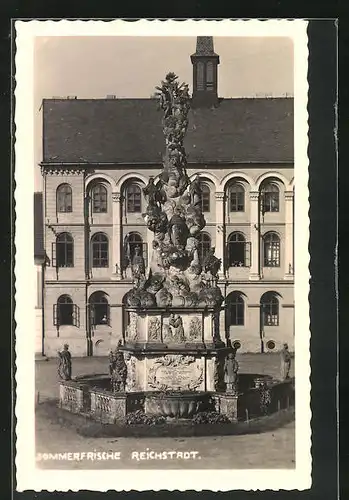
x=274, y=449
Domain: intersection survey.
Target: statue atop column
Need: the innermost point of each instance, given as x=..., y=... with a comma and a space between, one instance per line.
x=285, y=362
x=231, y=368
x=174, y=100
x=64, y=367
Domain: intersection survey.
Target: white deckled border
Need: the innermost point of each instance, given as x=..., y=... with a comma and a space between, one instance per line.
x=28, y=476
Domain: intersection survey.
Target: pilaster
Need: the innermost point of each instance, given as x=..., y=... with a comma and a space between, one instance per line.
x=116, y=244
x=288, y=245
x=220, y=243
x=255, y=236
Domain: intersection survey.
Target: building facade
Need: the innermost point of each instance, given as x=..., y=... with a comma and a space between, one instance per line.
x=98, y=154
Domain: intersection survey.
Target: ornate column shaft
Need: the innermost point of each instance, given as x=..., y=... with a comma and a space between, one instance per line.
x=116, y=247
x=220, y=243
x=254, y=235
x=288, y=244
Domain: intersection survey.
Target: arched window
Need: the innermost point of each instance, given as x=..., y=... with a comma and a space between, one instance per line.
x=200, y=76
x=64, y=250
x=99, y=309
x=238, y=250
x=271, y=250
x=270, y=309
x=99, y=195
x=132, y=241
x=209, y=75
x=235, y=309
x=64, y=202
x=270, y=198
x=133, y=199
x=100, y=249
x=237, y=198
x=206, y=195
x=204, y=245
x=65, y=309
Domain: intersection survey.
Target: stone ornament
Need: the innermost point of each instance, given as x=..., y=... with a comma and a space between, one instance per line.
x=195, y=329
x=187, y=376
x=132, y=330
x=154, y=330
x=131, y=373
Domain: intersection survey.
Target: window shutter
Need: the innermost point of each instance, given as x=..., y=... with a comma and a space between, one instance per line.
x=248, y=254
x=54, y=254
x=108, y=314
x=76, y=315
x=145, y=253
x=125, y=256
x=55, y=315
x=226, y=257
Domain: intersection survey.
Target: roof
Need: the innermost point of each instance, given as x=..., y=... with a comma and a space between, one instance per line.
x=39, y=252
x=130, y=131
x=204, y=46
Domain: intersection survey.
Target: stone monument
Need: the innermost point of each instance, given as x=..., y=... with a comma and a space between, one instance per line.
x=172, y=337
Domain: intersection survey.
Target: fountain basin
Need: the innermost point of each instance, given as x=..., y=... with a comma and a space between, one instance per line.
x=176, y=405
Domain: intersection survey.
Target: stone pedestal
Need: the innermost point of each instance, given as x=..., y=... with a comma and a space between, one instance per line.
x=108, y=407
x=172, y=349
x=227, y=404
x=71, y=396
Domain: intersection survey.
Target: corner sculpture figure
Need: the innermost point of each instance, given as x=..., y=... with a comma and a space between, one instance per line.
x=138, y=265
x=64, y=367
x=195, y=192
x=231, y=368
x=117, y=369
x=285, y=362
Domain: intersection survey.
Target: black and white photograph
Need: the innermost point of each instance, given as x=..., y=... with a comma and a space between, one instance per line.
x=162, y=174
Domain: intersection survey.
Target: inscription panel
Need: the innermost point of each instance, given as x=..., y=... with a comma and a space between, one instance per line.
x=175, y=372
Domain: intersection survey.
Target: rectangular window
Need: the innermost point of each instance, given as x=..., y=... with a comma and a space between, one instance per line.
x=62, y=254
x=66, y=314
x=271, y=317
x=237, y=314
x=238, y=254
x=272, y=254
x=237, y=201
x=100, y=256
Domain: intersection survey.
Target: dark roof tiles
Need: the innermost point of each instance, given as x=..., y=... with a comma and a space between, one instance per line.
x=130, y=131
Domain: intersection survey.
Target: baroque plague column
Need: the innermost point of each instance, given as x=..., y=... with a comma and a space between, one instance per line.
x=172, y=339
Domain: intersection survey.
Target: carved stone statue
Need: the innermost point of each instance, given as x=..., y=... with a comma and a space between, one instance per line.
x=195, y=192
x=174, y=100
x=178, y=230
x=211, y=263
x=177, y=330
x=64, y=367
x=152, y=193
x=231, y=368
x=285, y=362
x=138, y=265
x=117, y=369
